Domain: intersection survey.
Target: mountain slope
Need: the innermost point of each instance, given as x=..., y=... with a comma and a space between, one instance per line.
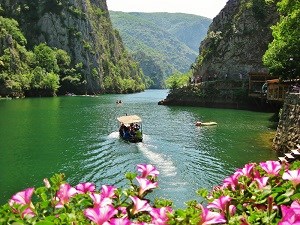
x=163, y=43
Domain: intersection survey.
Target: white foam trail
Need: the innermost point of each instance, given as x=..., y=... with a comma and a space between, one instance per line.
x=113, y=135
x=164, y=165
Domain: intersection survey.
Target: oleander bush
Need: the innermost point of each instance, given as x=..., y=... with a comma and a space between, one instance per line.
x=264, y=193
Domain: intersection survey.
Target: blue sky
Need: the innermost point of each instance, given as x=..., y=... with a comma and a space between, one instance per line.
x=206, y=8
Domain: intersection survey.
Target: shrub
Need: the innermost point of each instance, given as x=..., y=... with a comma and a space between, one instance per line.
x=264, y=193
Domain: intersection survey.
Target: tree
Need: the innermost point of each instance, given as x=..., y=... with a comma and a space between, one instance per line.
x=283, y=54
x=178, y=80
x=46, y=57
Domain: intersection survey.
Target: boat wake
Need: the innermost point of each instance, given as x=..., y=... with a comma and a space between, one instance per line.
x=113, y=135
x=165, y=165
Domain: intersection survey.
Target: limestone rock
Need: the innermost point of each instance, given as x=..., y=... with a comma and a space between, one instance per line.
x=236, y=40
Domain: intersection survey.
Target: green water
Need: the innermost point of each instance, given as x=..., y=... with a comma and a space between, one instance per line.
x=77, y=136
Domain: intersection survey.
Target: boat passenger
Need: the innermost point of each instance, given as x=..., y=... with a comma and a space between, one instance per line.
x=132, y=131
x=121, y=130
x=127, y=134
x=198, y=123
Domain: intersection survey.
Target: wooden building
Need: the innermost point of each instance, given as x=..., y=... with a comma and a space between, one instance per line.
x=256, y=84
x=265, y=86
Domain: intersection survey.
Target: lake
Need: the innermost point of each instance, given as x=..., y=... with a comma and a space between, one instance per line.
x=78, y=136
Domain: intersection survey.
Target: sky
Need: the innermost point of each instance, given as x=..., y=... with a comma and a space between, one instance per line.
x=206, y=8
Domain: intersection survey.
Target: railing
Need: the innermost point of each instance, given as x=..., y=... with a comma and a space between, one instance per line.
x=292, y=156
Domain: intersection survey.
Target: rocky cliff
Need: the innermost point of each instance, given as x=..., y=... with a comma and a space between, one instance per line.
x=83, y=29
x=236, y=40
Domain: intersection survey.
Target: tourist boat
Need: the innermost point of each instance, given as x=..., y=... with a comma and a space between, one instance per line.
x=198, y=123
x=130, y=128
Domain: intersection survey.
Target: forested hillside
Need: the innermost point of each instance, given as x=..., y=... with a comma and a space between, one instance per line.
x=163, y=43
x=50, y=47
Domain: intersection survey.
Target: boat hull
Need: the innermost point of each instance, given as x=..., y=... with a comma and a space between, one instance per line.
x=205, y=124
x=131, y=139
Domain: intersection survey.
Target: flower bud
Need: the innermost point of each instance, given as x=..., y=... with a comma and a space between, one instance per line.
x=47, y=183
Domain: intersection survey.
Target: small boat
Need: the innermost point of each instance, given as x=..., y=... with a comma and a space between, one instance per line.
x=198, y=123
x=131, y=128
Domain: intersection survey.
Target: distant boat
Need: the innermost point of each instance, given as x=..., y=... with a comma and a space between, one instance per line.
x=198, y=123
x=131, y=128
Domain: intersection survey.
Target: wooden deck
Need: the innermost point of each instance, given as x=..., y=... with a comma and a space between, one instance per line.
x=266, y=87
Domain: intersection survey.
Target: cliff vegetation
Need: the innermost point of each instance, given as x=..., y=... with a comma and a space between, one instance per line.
x=72, y=44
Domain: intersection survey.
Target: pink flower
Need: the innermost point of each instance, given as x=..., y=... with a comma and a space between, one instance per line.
x=120, y=221
x=122, y=210
x=293, y=176
x=145, y=185
x=220, y=203
x=100, y=215
x=147, y=170
x=99, y=200
x=23, y=198
x=108, y=191
x=290, y=215
x=296, y=207
x=160, y=215
x=139, y=205
x=64, y=194
x=83, y=188
x=209, y=217
x=261, y=182
x=27, y=213
x=271, y=167
x=232, y=210
x=231, y=181
x=247, y=170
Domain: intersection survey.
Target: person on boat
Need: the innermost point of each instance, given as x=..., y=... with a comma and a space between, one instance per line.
x=137, y=126
x=132, y=131
x=127, y=134
x=198, y=123
x=121, y=129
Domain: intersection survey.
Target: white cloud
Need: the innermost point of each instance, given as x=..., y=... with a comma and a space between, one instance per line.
x=207, y=8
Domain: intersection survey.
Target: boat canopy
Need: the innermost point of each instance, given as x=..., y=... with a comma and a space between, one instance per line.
x=129, y=119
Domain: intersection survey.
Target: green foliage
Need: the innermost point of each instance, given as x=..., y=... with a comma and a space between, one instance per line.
x=282, y=56
x=216, y=91
x=178, y=80
x=77, y=12
x=11, y=27
x=63, y=59
x=36, y=73
x=45, y=57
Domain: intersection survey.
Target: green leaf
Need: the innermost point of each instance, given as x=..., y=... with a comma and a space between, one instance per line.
x=45, y=223
x=295, y=196
x=202, y=192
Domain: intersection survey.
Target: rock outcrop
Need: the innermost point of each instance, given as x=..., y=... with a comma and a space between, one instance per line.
x=236, y=40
